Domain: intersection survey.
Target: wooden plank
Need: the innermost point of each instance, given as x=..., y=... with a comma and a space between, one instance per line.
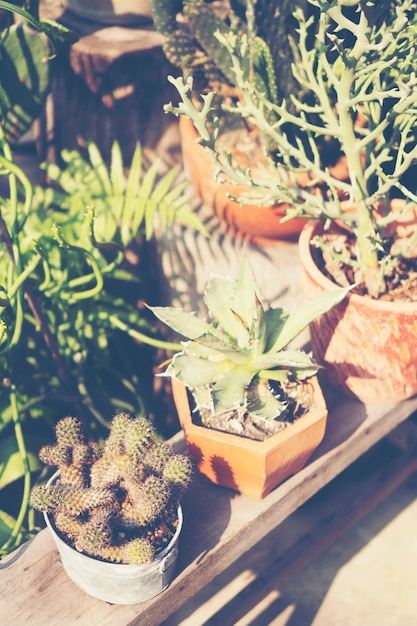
x=346, y=507
x=220, y=526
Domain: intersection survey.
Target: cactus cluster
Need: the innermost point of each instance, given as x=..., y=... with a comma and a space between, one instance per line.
x=116, y=501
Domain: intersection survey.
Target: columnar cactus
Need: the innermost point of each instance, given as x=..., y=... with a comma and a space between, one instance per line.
x=192, y=44
x=112, y=501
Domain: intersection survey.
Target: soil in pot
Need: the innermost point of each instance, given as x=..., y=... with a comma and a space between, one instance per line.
x=401, y=282
x=296, y=397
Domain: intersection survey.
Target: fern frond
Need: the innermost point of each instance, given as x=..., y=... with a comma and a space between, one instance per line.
x=124, y=202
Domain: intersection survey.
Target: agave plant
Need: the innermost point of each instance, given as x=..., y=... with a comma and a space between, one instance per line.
x=229, y=361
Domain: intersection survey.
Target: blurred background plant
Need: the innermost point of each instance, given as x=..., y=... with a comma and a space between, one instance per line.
x=190, y=30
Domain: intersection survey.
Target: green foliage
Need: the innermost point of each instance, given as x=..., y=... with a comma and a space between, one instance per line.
x=228, y=361
x=27, y=50
x=72, y=337
x=123, y=205
x=71, y=333
x=123, y=500
x=359, y=82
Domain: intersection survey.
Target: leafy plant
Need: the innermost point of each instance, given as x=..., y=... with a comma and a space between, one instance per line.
x=358, y=76
x=126, y=201
x=229, y=361
x=27, y=49
x=117, y=501
x=71, y=334
x=27, y=52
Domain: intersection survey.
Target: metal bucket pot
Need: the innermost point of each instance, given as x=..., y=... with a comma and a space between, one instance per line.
x=119, y=583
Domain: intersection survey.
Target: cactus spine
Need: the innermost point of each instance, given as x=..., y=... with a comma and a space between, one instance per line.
x=111, y=501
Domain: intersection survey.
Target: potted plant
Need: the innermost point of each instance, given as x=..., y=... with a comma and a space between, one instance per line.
x=358, y=72
x=113, y=509
x=256, y=412
x=189, y=28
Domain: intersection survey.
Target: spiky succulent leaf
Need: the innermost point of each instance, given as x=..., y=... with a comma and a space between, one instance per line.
x=299, y=319
x=237, y=306
x=196, y=372
x=229, y=391
x=212, y=349
x=294, y=360
x=247, y=300
x=265, y=405
x=218, y=296
x=184, y=323
x=202, y=397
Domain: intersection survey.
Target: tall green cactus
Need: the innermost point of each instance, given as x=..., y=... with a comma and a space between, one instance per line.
x=194, y=47
x=109, y=502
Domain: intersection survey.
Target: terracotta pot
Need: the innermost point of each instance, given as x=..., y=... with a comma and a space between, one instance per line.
x=368, y=347
x=256, y=223
x=251, y=467
x=117, y=12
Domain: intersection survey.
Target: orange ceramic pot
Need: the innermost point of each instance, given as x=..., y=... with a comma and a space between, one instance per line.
x=251, y=467
x=368, y=347
x=260, y=224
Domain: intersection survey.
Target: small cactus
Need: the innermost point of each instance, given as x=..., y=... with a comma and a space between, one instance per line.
x=110, y=501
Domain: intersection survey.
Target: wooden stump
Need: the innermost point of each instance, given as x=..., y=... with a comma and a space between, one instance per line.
x=111, y=85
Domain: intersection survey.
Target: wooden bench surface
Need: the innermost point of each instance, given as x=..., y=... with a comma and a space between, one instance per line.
x=219, y=526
